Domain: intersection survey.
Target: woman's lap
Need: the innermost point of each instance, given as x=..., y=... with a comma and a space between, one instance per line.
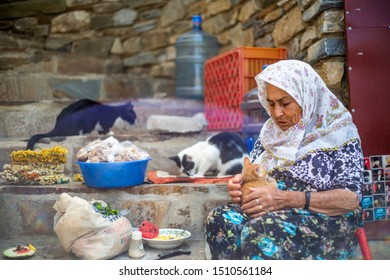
x=294, y=234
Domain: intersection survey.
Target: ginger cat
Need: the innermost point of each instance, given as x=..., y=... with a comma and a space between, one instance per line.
x=254, y=176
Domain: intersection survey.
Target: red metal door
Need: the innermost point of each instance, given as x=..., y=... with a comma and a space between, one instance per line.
x=367, y=26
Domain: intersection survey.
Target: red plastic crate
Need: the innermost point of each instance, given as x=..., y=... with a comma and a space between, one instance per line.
x=227, y=77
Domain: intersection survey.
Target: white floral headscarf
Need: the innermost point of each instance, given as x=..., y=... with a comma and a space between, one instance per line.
x=325, y=122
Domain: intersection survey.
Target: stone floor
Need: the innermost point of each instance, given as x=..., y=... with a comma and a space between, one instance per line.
x=49, y=248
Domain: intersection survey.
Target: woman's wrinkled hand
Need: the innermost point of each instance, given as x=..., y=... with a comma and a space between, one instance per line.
x=234, y=188
x=262, y=200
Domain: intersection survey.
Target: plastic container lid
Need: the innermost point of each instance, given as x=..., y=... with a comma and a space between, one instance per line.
x=196, y=18
x=197, y=22
x=137, y=235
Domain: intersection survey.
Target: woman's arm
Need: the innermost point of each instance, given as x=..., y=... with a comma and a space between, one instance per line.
x=334, y=202
x=331, y=202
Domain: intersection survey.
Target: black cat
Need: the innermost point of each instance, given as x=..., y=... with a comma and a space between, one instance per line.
x=85, y=115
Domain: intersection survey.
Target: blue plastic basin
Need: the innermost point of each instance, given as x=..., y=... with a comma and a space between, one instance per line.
x=107, y=175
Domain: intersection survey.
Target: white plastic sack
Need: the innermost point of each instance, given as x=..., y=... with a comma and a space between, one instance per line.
x=85, y=232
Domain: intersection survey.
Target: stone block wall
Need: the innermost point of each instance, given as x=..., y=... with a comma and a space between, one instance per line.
x=312, y=31
x=121, y=49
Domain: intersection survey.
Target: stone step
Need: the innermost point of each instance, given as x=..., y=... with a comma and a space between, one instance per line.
x=26, y=215
x=160, y=146
x=22, y=120
x=28, y=210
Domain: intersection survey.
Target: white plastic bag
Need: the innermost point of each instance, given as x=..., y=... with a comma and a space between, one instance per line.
x=88, y=234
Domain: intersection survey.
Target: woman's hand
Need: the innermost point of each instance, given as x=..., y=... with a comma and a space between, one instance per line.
x=234, y=188
x=262, y=200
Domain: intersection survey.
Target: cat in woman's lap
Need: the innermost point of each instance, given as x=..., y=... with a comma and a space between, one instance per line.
x=221, y=154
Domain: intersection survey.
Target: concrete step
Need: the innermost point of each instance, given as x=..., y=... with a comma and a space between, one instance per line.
x=28, y=210
x=27, y=213
x=22, y=120
x=49, y=248
x=380, y=250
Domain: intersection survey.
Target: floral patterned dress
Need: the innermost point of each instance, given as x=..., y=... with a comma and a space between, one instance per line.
x=294, y=233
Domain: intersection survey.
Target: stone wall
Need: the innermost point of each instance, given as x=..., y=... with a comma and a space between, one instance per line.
x=121, y=49
x=312, y=31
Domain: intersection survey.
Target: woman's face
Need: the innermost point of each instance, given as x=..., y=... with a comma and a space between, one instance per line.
x=284, y=109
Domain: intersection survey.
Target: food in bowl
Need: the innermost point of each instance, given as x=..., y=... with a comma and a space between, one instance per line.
x=110, y=150
x=112, y=164
x=168, y=238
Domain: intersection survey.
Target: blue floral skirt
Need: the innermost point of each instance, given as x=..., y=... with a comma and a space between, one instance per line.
x=282, y=235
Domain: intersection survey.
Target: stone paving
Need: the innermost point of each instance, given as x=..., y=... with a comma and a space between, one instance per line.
x=49, y=248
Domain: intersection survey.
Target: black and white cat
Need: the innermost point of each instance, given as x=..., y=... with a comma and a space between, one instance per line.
x=85, y=116
x=222, y=154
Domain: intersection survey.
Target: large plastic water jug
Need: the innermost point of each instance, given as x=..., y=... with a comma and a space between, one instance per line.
x=192, y=50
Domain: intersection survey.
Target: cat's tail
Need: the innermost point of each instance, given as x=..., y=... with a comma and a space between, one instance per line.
x=31, y=142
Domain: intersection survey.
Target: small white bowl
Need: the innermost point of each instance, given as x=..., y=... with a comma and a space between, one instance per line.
x=178, y=240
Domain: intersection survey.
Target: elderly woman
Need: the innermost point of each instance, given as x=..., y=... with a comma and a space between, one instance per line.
x=312, y=148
